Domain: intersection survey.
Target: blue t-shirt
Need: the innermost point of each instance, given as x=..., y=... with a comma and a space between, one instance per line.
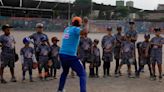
x=70, y=41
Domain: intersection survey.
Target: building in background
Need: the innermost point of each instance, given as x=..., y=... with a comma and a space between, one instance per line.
x=160, y=7
x=119, y=3
x=130, y=4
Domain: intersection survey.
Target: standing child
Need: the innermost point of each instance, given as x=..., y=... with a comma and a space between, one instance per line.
x=8, y=52
x=144, y=54
x=107, y=46
x=27, y=58
x=156, y=53
x=96, y=61
x=127, y=55
x=117, y=48
x=43, y=51
x=54, y=57
x=85, y=48
x=134, y=36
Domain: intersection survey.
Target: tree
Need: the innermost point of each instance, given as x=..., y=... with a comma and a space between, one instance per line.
x=122, y=12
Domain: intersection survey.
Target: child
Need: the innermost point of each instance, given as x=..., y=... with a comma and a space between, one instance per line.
x=85, y=48
x=43, y=51
x=107, y=46
x=127, y=55
x=27, y=58
x=144, y=54
x=156, y=52
x=8, y=52
x=36, y=38
x=95, y=51
x=54, y=57
x=134, y=36
x=117, y=48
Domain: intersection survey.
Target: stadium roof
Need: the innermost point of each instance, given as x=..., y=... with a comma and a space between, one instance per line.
x=28, y=4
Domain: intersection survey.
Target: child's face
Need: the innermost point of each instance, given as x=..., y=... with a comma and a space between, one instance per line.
x=147, y=39
x=157, y=33
x=110, y=32
x=7, y=31
x=39, y=29
x=27, y=44
x=43, y=42
x=119, y=31
x=95, y=44
x=128, y=38
x=54, y=41
x=131, y=26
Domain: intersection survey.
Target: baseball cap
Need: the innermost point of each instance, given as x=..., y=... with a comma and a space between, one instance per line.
x=109, y=28
x=131, y=22
x=55, y=38
x=77, y=19
x=157, y=29
x=39, y=25
x=6, y=26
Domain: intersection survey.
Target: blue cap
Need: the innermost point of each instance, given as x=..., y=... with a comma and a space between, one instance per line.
x=26, y=40
x=44, y=38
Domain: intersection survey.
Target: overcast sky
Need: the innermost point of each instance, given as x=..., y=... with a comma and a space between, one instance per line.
x=143, y=4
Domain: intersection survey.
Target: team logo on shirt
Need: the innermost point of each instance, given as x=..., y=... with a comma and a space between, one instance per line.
x=66, y=36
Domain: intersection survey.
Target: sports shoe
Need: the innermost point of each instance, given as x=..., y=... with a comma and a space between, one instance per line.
x=13, y=79
x=3, y=81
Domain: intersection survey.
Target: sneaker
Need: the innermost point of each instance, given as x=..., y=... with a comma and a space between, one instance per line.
x=31, y=80
x=154, y=77
x=3, y=81
x=61, y=91
x=55, y=77
x=117, y=75
x=13, y=79
x=160, y=78
x=120, y=74
x=131, y=76
x=151, y=78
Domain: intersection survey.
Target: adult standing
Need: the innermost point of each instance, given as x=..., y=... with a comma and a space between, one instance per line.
x=68, y=54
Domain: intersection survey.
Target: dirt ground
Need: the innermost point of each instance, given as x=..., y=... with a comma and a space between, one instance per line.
x=111, y=84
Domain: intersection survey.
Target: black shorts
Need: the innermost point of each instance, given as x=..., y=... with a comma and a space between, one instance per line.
x=7, y=61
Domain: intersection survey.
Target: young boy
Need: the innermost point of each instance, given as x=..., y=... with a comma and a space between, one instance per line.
x=85, y=48
x=43, y=51
x=54, y=57
x=107, y=46
x=36, y=37
x=156, y=53
x=134, y=36
x=8, y=52
x=144, y=54
x=127, y=55
x=117, y=48
x=95, y=64
x=27, y=58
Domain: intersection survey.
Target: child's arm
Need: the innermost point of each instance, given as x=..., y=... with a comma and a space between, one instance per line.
x=21, y=56
x=21, y=59
x=34, y=58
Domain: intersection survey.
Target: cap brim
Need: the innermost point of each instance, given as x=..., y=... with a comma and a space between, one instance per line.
x=131, y=23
